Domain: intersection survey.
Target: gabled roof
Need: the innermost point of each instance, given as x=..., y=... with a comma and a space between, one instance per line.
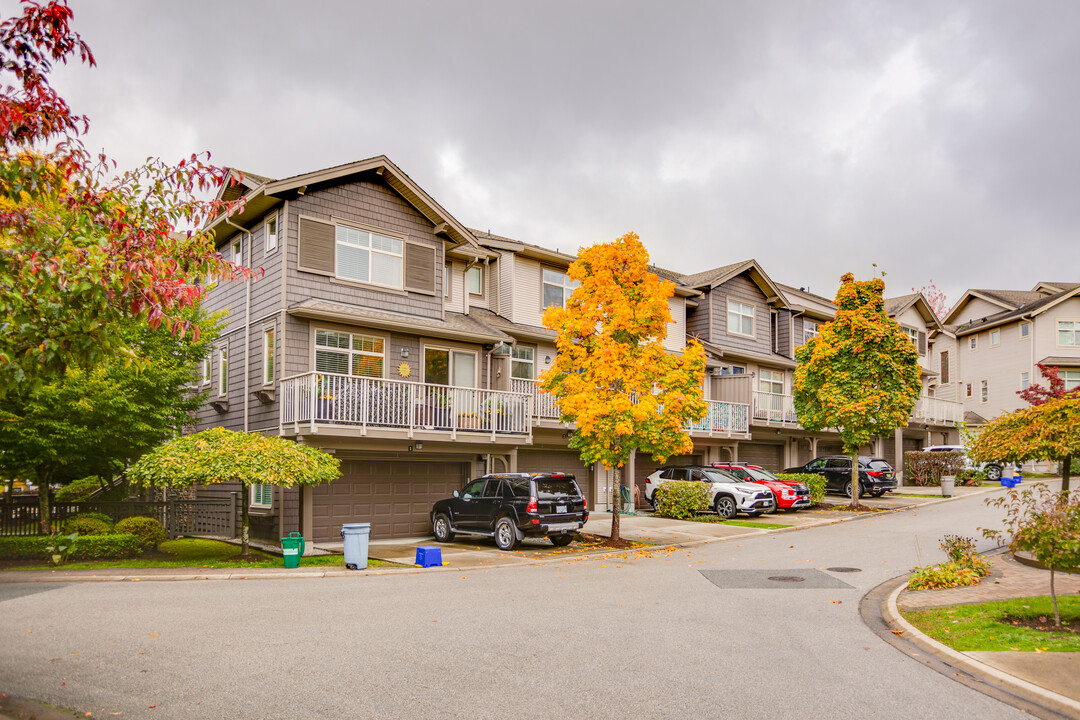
x=895, y=306
x=718, y=276
x=807, y=303
x=1051, y=288
x=1041, y=304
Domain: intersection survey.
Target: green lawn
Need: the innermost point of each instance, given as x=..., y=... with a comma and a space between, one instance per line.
x=739, y=523
x=200, y=553
x=980, y=627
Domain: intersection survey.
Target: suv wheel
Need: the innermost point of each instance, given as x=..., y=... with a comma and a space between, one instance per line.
x=993, y=472
x=443, y=533
x=877, y=493
x=561, y=540
x=505, y=534
x=654, y=502
x=724, y=506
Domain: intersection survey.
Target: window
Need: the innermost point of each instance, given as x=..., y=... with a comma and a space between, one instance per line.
x=1025, y=330
x=1025, y=381
x=913, y=335
x=223, y=371
x=368, y=257
x=268, y=356
x=206, y=371
x=944, y=366
x=262, y=496
x=557, y=288
x=447, y=273
x=270, y=235
x=1069, y=333
x=740, y=318
x=733, y=370
x=984, y=392
x=771, y=381
x=810, y=329
x=449, y=367
x=967, y=390
x=238, y=252
x=1071, y=378
x=474, y=278
x=348, y=354
x=522, y=363
x=973, y=342
x=995, y=337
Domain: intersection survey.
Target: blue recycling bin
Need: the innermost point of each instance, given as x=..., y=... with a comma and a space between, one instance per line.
x=355, y=537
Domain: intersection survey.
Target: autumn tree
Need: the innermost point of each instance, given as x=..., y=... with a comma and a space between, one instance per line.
x=611, y=375
x=935, y=299
x=100, y=420
x=859, y=375
x=1047, y=431
x=218, y=455
x=83, y=249
x=1036, y=394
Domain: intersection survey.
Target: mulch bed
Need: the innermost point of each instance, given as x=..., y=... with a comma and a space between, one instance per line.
x=601, y=541
x=1042, y=623
x=846, y=507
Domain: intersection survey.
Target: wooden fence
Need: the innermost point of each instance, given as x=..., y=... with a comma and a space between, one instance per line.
x=19, y=516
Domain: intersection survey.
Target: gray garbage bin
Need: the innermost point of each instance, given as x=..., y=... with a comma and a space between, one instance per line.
x=948, y=485
x=355, y=536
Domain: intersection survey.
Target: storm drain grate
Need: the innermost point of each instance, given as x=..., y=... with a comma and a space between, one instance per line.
x=844, y=569
x=775, y=579
x=787, y=578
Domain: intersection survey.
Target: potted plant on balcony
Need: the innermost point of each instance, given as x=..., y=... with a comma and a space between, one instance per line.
x=468, y=421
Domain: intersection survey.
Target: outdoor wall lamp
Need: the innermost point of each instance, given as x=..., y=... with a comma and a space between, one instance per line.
x=404, y=352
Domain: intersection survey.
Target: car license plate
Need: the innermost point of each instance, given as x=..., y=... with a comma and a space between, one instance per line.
x=560, y=508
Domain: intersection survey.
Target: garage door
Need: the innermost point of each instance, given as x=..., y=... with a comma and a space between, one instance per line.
x=557, y=461
x=644, y=466
x=767, y=456
x=829, y=448
x=394, y=496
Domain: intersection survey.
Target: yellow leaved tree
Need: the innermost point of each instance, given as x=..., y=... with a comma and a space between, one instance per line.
x=612, y=376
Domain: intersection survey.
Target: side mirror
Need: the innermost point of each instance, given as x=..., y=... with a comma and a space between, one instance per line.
x=457, y=494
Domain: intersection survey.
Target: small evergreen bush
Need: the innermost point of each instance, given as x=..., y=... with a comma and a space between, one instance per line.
x=814, y=481
x=148, y=530
x=94, y=547
x=681, y=499
x=86, y=525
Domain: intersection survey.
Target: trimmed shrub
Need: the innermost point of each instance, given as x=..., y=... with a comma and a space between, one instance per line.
x=78, y=490
x=85, y=525
x=945, y=575
x=681, y=499
x=814, y=481
x=93, y=547
x=926, y=468
x=148, y=530
x=968, y=476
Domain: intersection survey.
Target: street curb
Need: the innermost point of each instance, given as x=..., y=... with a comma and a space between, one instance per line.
x=1029, y=691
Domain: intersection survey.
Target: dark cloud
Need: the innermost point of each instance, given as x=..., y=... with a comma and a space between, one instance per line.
x=934, y=139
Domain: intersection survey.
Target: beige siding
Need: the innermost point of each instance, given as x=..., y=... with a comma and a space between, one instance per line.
x=741, y=289
x=999, y=365
x=484, y=299
x=1046, y=340
x=507, y=289
x=676, y=329
x=975, y=309
x=457, y=287
x=912, y=319
x=527, y=295
x=945, y=391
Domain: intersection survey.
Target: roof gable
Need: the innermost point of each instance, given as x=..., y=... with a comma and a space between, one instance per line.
x=718, y=276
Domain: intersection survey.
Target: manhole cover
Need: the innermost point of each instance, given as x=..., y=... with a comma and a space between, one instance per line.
x=844, y=569
x=786, y=578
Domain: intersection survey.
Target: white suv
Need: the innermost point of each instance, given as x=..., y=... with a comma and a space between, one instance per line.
x=992, y=469
x=727, y=493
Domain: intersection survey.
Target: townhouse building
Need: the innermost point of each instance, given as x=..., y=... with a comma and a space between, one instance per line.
x=384, y=331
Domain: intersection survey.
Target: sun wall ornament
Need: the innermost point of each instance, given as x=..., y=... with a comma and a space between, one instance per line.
x=404, y=370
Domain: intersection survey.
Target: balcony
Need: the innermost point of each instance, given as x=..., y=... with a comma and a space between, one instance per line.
x=938, y=412
x=315, y=400
x=774, y=408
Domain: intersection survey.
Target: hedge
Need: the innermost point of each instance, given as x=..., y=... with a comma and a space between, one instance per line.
x=926, y=468
x=681, y=499
x=90, y=547
x=147, y=529
x=814, y=481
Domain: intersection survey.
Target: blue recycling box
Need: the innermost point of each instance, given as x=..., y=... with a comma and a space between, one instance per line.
x=428, y=556
x=355, y=537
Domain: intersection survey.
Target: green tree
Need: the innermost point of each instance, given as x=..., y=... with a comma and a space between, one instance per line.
x=98, y=421
x=611, y=375
x=859, y=375
x=218, y=455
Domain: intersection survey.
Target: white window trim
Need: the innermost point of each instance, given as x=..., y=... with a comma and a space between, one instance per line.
x=267, y=247
x=338, y=222
x=808, y=333
x=237, y=249
x=532, y=362
x=223, y=371
x=1057, y=332
x=1023, y=379
x=207, y=370
x=265, y=354
x=260, y=505
x=1064, y=374
x=752, y=316
x=1020, y=331
x=350, y=331
x=565, y=287
x=992, y=343
x=984, y=383
x=480, y=271
x=450, y=364
x=969, y=390
x=973, y=343
x=772, y=373
x=448, y=281
x=908, y=330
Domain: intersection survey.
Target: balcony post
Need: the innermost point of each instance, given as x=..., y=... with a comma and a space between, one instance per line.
x=314, y=399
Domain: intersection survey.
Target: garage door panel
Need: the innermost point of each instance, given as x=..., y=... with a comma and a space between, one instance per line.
x=557, y=461
x=766, y=455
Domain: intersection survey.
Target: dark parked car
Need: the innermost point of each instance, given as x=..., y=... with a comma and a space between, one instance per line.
x=876, y=477
x=512, y=506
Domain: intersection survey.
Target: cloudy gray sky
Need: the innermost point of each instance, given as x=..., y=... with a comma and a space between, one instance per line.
x=936, y=139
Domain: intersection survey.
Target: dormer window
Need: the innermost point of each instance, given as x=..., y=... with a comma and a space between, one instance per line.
x=740, y=318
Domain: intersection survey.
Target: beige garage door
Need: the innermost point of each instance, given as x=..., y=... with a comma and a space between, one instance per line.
x=830, y=448
x=557, y=461
x=767, y=456
x=394, y=496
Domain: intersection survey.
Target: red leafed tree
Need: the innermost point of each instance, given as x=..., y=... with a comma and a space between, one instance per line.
x=935, y=298
x=84, y=248
x=1054, y=389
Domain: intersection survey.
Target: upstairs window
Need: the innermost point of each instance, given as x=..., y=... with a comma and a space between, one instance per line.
x=913, y=335
x=967, y=390
x=557, y=288
x=270, y=235
x=474, y=278
x=740, y=318
x=206, y=371
x=1025, y=381
x=1025, y=330
x=995, y=337
x=944, y=366
x=973, y=342
x=238, y=252
x=447, y=273
x=771, y=381
x=1069, y=333
x=268, y=356
x=984, y=391
x=1071, y=378
x=348, y=354
x=223, y=371
x=810, y=329
x=368, y=257
x=522, y=363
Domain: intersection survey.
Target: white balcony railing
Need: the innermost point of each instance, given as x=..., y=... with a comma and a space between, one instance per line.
x=545, y=406
x=325, y=398
x=943, y=412
x=774, y=407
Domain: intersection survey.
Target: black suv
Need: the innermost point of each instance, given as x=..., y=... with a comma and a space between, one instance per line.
x=876, y=476
x=511, y=506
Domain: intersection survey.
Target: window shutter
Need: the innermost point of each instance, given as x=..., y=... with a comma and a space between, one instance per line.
x=316, y=245
x=420, y=268
x=922, y=343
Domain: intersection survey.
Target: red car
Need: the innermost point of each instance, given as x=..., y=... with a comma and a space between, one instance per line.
x=790, y=495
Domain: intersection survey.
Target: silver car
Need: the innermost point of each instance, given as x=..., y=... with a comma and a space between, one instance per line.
x=728, y=494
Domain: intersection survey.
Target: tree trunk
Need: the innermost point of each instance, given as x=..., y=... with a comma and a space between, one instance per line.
x=44, y=509
x=243, y=524
x=616, y=505
x=1066, y=475
x=855, y=481
x=1053, y=594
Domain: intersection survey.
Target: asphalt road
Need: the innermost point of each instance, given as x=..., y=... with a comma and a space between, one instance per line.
x=698, y=633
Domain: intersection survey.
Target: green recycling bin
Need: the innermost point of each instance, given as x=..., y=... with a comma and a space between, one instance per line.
x=292, y=548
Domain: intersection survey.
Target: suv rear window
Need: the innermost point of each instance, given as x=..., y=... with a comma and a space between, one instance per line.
x=879, y=465
x=547, y=489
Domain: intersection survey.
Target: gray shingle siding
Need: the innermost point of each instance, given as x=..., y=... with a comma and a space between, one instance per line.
x=741, y=289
